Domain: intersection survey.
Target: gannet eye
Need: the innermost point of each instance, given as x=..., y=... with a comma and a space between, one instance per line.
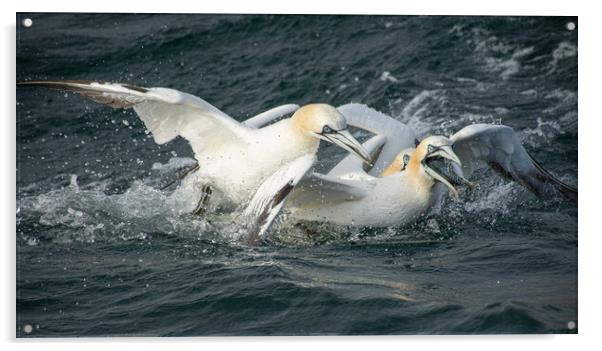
x=327, y=130
x=406, y=160
x=430, y=148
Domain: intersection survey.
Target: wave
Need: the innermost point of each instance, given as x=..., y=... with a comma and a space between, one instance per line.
x=507, y=317
x=496, y=54
x=564, y=51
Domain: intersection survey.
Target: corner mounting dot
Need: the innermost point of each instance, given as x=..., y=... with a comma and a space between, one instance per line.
x=571, y=26
x=27, y=328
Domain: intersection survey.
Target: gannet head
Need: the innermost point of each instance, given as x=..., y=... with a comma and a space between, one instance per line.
x=435, y=159
x=325, y=122
x=400, y=162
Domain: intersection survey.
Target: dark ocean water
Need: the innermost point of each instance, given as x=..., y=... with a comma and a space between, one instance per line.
x=99, y=252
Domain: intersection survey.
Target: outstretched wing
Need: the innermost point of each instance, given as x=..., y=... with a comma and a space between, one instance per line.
x=499, y=147
x=166, y=113
x=316, y=189
x=398, y=135
x=271, y=195
x=270, y=115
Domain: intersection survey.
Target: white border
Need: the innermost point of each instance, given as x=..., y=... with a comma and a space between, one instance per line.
x=422, y=7
x=590, y=59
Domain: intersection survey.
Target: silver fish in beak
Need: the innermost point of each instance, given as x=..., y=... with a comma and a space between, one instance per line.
x=345, y=140
x=444, y=166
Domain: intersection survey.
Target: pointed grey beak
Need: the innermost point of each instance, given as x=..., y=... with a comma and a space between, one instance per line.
x=345, y=140
x=446, y=152
x=445, y=166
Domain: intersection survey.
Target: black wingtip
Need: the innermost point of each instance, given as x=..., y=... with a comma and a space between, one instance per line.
x=75, y=84
x=566, y=191
x=29, y=82
x=57, y=84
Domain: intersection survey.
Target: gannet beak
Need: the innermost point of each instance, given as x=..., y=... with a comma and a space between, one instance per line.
x=439, y=177
x=446, y=152
x=445, y=166
x=345, y=140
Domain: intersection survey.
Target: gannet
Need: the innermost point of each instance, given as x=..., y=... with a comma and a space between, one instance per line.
x=237, y=158
x=377, y=201
x=415, y=180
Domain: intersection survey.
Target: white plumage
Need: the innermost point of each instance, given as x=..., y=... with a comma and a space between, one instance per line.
x=350, y=194
x=260, y=161
x=234, y=157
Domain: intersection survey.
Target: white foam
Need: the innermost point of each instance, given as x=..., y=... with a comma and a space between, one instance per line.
x=90, y=215
x=499, y=57
x=174, y=163
x=416, y=113
x=529, y=92
x=561, y=101
x=563, y=51
x=564, y=96
x=497, y=197
x=506, y=68
x=387, y=77
x=545, y=133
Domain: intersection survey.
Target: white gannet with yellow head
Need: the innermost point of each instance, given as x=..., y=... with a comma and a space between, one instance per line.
x=406, y=184
x=237, y=158
x=393, y=199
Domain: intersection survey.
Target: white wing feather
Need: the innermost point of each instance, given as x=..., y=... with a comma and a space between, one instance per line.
x=316, y=189
x=270, y=115
x=352, y=167
x=166, y=113
x=398, y=135
x=498, y=147
x=271, y=195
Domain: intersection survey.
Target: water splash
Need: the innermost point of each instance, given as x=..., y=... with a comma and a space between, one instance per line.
x=90, y=215
x=418, y=112
x=544, y=134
